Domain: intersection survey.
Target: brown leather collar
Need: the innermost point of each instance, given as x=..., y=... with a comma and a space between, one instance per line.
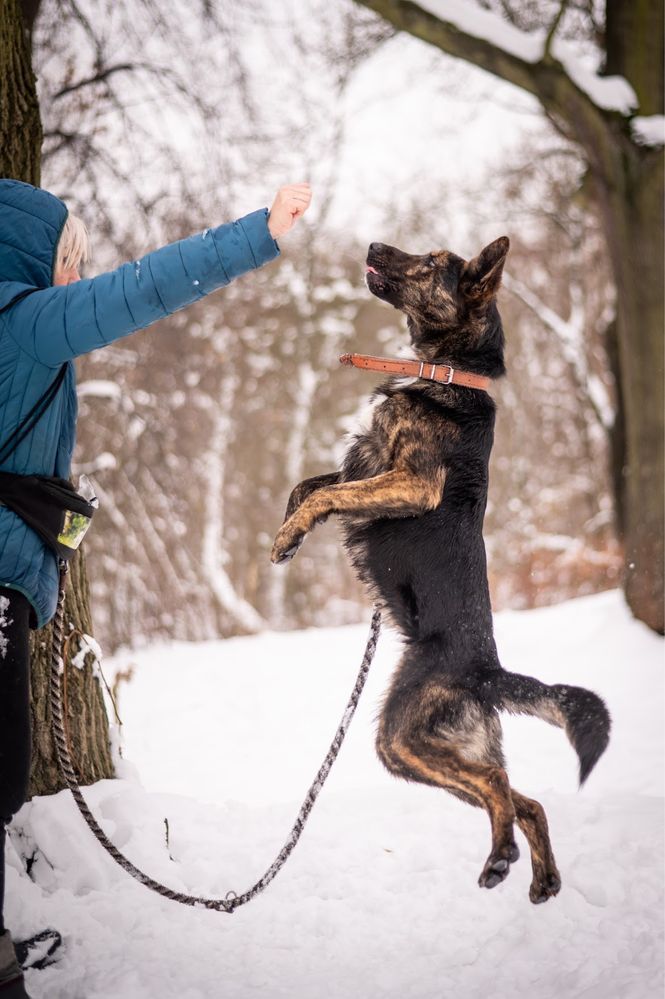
x=418, y=369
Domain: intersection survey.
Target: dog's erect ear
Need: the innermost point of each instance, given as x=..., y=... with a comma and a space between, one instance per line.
x=482, y=276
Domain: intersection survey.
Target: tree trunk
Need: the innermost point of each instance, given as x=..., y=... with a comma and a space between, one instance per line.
x=633, y=214
x=634, y=48
x=20, y=151
x=85, y=714
x=633, y=205
x=20, y=124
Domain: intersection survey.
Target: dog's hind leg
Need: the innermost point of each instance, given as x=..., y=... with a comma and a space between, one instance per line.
x=533, y=823
x=414, y=743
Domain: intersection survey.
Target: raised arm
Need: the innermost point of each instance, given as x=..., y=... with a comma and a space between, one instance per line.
x=56, y=324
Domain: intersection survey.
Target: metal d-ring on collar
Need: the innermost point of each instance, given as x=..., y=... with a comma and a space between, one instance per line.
x=442, y=374
x=432, y=375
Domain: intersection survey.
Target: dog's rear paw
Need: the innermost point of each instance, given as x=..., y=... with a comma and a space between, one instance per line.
x=494, y=873
x=545, y=886
x=497, y=867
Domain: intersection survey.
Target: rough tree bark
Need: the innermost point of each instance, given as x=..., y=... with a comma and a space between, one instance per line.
x=85, y=713
x=627, y=184
x=20, y=146
x=20, y=124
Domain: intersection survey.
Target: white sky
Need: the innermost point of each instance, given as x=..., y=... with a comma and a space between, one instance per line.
x=421, y=131
x=421, y=125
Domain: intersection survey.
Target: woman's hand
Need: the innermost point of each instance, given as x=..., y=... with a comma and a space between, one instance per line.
x=290, y=203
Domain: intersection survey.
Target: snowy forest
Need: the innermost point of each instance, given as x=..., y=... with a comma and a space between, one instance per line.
x=195, y=432
x=427, y=125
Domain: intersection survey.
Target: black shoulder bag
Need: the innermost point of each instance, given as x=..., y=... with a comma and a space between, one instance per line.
x=49, y=505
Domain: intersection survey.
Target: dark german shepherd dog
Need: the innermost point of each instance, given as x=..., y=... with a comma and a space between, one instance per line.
x=411, y=495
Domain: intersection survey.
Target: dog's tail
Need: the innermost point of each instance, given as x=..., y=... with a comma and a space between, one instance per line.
x=579, y=712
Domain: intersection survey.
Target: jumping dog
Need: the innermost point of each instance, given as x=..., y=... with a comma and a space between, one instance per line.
x=411, y=497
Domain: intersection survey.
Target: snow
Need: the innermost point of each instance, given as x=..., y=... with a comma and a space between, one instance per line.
x=4, y=623
x=649, y=130
x=612, y=93
x=88, y=645
x=474, y=20
x=214, y=554
x=380, y=897
x=571, y=334
x=99, y=388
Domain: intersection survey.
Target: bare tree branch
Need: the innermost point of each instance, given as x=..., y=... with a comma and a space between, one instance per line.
x=447, y=36
x=103, y=74
x=554, y=28
x=571, y=110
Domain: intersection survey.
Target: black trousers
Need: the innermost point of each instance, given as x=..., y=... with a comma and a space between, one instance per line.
x=15, y=739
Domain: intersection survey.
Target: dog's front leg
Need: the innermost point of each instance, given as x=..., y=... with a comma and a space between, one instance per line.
x=399, y=493
x=305, y=488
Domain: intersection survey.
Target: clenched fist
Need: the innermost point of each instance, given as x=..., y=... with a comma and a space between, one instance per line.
x=290, y=203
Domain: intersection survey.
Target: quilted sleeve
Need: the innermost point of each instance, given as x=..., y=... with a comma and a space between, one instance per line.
x=57, y=324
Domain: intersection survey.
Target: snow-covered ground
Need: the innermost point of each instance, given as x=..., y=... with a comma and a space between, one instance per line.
x=380, y=897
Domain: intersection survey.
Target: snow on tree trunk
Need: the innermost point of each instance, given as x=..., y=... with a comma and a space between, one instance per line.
x=85, y=714
x=294, y=459
x=213, y=554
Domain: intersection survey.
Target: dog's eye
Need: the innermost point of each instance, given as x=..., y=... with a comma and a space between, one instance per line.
x=431, y=260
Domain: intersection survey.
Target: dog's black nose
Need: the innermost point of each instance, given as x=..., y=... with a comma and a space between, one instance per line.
x=375, y=247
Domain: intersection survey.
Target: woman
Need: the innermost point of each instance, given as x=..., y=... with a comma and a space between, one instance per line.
x=49, y=316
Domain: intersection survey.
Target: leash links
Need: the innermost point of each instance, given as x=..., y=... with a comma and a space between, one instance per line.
x=232, y=900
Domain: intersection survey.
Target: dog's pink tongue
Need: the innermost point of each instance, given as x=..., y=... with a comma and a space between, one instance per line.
x=371, y=270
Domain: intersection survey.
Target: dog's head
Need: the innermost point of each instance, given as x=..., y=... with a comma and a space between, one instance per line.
x=450, y=302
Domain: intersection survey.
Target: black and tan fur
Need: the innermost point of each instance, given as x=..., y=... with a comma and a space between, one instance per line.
x=411, y=495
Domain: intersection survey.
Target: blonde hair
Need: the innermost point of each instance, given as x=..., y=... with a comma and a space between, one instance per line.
x=73, y=245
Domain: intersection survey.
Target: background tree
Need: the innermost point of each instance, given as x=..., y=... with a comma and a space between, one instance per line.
x=625, y=180
x=195, y=432
x=20, y=124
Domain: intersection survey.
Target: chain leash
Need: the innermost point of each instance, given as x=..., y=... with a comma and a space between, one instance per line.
x=232, y=901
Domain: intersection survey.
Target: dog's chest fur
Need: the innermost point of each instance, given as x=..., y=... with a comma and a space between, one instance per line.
x=427, y=570
x=408, y=422
x=369, y=452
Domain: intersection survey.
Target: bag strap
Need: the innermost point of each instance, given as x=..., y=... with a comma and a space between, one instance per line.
x=30, y=421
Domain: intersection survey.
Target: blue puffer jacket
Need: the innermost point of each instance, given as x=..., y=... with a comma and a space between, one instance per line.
x=49, y=326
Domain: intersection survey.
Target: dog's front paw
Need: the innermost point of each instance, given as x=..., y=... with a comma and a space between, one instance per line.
x=286, y=545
